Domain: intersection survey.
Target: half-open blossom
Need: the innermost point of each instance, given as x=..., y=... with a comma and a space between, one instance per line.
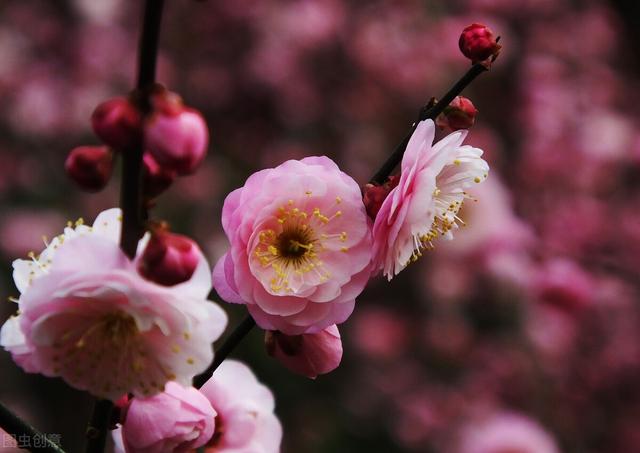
x=425, y=204
x=245, y=422
x=180, y=419
x=86, y=315
x=300, y=246
x=176, y=136
x=310, y=354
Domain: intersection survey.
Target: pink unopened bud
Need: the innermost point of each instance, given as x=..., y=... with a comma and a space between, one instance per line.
x=176, y=136
x=117, y=123
x=90, y=166
x=179, y=419
x=169, y=258
x=460, y=114
x=308, y=354
x=373, y=196
x=478, y=43
x=155, y=179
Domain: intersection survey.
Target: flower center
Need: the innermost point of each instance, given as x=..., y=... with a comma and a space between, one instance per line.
x=289, y=254
x=293, y=244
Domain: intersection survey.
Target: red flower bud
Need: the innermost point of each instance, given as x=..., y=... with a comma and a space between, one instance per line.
x=155, y=179
x=307, y=354
x=373, y=196
x=460, y=114
x=176, y=136
x=478, y=43
x=90, y=166
x=169, y=258
x=117, y=123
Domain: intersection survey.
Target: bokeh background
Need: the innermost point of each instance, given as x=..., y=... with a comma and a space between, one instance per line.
x=525, y=330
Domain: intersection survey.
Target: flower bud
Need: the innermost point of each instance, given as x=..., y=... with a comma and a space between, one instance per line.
x=180, y=419
x=478, y=43
x=460, y=114
x=155, y=179
x=90, y=167
x=373, y=195
x=176, y=136
x=117, y=122
x=169, y=258
x=308, y=354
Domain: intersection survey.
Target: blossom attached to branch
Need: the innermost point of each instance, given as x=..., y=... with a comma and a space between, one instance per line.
x=425, y=204
x=86, y=315
x=300, y=246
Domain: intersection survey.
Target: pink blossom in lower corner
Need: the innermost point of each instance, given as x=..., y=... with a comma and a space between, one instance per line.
x=87, y=316
x=308, y=354
x=300, y=246
x=506, y=432
x=180, y=419
x=245, y=422
x=425, y=204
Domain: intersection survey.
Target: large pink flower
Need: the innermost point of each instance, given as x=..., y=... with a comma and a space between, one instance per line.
x=245, y=422
x=86, y=315
x=300, y=246
x=425, y=204
x=180, y=419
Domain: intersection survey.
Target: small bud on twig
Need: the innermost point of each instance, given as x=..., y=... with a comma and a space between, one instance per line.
x=169, y=258
x=117, y=123
x=460, y=114
x=478, y=43
x=90, y=167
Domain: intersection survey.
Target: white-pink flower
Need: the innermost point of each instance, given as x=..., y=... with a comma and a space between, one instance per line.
x=87, y=316
x=245, y=422
x=425, y=204
x=300, y=246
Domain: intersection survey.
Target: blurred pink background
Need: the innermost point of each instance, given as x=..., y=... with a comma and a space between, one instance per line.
x=521, y=335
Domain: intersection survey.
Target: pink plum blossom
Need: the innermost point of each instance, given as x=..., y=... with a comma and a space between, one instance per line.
x=425, y=204
x=179, y=419
x=309, y=354
x=300, y=246
x=86, y=315
x=245, y=422
x=506, y=432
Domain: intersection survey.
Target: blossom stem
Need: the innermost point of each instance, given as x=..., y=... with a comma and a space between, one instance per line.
x=234, y=338
x=20, y=430
x=426, y=113
x=134, y=211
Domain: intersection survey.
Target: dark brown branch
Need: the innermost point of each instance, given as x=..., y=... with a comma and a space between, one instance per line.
x=21, y=430
x=234, y=338
x=426, y=113
x=133, y=209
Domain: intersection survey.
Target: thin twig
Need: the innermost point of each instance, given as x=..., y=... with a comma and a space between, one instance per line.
x=234, y=338
x=23, y=431
x=426, y=113
x=432, y=112
x=133, y=209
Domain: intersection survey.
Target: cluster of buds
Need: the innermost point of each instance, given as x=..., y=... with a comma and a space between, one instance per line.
x=173, y=136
